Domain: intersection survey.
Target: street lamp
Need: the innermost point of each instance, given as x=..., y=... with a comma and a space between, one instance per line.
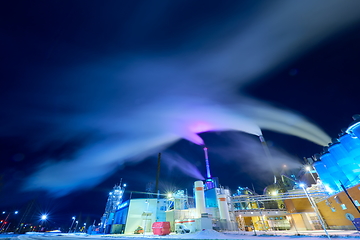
x=42, y=219
x=73, y=218
x=4, y=222
x=315, y=209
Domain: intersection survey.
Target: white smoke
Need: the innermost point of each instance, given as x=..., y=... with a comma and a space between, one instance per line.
x=140, y=102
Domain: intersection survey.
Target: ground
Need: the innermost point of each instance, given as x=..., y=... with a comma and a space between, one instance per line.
x=206, y=234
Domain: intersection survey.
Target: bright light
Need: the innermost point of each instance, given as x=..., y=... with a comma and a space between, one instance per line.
x=77, y=221
x=84, y=224
x=4, y=212
x=328, y=189
x=307, y=168
x=43, y=217
x=284, y=166
x=169, y=195
x=73, y=218
x=124, y=184
x=274, y=193
x=302, y=185
x=16, y=212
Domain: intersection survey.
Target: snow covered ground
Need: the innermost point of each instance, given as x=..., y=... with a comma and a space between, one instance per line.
x=208, y=234
x=275, y=235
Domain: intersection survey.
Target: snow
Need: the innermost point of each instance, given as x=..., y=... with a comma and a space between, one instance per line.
x=204, y=234
x=241, y=235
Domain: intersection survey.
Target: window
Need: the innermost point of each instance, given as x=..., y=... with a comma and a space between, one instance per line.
x=337, y=199
x=343, y=206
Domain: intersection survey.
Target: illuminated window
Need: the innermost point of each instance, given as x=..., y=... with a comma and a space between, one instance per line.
x=343, y=206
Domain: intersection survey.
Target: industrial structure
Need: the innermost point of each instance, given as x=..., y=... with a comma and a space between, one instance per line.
x=114, y=200
x=331, y=203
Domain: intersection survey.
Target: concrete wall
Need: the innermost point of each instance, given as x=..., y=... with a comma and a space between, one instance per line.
x=142, y=212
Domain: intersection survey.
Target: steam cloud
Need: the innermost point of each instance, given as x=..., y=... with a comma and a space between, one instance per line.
x=139, y=103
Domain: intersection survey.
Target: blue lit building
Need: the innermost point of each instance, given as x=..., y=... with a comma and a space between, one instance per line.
x=338, y=166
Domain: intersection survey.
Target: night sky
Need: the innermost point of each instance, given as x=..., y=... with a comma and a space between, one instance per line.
x=92, y=91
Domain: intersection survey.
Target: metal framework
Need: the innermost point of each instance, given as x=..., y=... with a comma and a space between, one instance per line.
x=318, y=196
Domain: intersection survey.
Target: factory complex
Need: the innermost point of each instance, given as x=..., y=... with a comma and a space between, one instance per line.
x=332, y=202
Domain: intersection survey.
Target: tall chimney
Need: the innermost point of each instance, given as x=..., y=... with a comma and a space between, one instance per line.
x=208, y=174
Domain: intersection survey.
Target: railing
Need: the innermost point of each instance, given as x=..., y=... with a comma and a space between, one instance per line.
x=316, y=195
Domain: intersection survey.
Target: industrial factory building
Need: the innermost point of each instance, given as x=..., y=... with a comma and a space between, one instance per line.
x=332, y=202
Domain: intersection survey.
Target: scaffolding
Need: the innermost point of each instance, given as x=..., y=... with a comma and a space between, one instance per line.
x=114, y=200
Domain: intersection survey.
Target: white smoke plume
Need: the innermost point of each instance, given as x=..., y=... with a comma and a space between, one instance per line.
x=139, y=101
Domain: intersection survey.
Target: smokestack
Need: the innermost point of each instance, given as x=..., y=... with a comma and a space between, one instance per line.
x=267, y=152
x=199, y=198
x=208, y=174
x=223, y=207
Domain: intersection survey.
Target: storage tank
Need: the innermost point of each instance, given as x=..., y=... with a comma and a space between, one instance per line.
x=354, y=127
x=345, y=162
x=352, y=145
x=334, y=169
x=325, y=175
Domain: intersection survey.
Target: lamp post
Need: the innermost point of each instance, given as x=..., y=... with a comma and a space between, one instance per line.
x=315, y=209
x=4, y=222
x=42, y=219
x=73, y=218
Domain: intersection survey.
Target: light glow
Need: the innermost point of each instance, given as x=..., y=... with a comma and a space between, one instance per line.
x=328, y=189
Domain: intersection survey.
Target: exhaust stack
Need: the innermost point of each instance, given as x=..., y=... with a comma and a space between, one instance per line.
x=208, y=174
